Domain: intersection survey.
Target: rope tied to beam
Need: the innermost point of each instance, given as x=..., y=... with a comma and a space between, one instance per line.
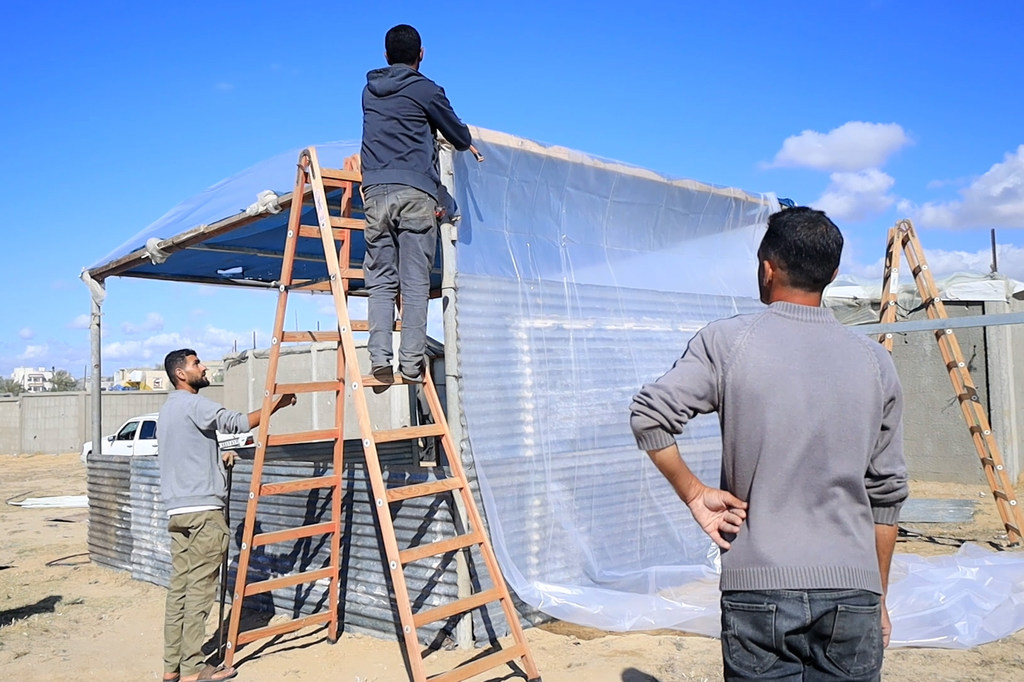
x=266, y=202
x=96, y=289
x=155, y=253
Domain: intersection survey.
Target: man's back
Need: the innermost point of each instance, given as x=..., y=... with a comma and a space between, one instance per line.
x=402, y=112
x=811, y=439
x=810, y=418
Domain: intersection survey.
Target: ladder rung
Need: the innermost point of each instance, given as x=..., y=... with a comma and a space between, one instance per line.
x=311, y=285
x=348, y=223
x=406, y=432
x=292, y=534
x=339, y=175
x=407, y=492
x=353, y=273
x=988, y=461
x=455, y=607
x=297, y=484
x=289, y=580
x=313, y=232
x=407, y=556
x=1000, y=494
x=302, y=437
x=282, y=628
x=468, y=670
x=309, y=387
x=310, y=337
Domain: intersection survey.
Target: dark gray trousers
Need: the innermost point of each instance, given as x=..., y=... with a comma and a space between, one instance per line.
x=401, y=241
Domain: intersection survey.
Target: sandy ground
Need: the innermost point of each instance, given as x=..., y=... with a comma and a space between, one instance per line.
x=64, y=618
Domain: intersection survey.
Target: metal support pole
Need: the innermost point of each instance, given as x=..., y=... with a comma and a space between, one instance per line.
x=449, y=236
x=95, y=339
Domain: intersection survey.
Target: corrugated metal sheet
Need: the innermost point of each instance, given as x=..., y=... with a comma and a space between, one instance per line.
x=128, y=524
x=108, y=485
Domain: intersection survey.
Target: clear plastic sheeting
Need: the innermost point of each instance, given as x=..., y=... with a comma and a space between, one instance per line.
x=956, y=602
x=856, y=301
x=233, y=196
x=578, y=281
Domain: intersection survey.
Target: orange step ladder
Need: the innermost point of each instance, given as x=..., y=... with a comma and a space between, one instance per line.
x=334, y=232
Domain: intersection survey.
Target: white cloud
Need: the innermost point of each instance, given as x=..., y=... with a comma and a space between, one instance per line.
x=154, y=322
x=33, y=352
x=945, y=263
x=855, y=196
x=25, y=333
x=211, y=343
x=995, y=199
x=80, y=322
x=853, y=146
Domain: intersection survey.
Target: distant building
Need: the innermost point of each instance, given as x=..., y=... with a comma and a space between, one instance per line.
x=33, y=380
x=151, y=379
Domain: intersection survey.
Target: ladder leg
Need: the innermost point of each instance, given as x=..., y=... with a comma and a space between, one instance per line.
x=238, y=596
x=476, y=521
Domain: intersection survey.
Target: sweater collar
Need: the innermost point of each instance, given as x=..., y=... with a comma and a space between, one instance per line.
x=802, y=313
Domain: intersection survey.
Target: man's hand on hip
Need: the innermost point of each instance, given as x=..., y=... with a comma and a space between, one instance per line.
x=717, y=511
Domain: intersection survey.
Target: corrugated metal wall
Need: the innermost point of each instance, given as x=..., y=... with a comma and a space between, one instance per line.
x=128, y=531
x=546, y=392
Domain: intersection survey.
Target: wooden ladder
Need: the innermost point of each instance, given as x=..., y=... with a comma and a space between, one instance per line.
x=903, y=238
x=334, y=232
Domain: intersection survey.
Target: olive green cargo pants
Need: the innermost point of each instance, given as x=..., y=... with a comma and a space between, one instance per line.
x=198, y=543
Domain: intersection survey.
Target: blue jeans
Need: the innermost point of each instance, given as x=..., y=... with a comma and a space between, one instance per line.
x=802, y=635
x=401, y=241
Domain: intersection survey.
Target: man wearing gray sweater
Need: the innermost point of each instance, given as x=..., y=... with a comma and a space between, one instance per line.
x=193, y=484
x=813, y=474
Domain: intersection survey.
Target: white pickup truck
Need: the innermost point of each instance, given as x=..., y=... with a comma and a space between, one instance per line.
x=137, y=436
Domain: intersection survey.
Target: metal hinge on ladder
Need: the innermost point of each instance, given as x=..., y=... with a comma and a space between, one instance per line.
x=335, y=231
x=903, y=239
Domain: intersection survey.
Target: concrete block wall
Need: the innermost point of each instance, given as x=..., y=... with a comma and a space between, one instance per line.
x=52, y=423
x=1006, y=386
x=245, y=380
x=10, y=430
x=936, y=441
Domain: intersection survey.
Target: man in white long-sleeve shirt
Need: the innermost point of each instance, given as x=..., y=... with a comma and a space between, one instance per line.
x=193, y=484
x=813, y=474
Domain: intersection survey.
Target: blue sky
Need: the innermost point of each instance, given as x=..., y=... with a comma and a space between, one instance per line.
x=113, y=112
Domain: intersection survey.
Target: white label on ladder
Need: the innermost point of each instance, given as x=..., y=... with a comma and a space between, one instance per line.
x=894, y=281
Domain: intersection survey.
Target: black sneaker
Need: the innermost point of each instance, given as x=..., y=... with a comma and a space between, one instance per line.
x=385, y=375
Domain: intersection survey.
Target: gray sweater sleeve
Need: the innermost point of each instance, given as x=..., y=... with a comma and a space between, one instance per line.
x=661, y=410
x=886, y=477
x=209, y=415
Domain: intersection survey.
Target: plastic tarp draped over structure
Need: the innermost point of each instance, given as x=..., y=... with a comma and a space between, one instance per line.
x=578, y=281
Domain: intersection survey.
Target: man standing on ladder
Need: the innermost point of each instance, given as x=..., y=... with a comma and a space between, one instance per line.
x=812, y=476
x=193, y=485
x=402, y=113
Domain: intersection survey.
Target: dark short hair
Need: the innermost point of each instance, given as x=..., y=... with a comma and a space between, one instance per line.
x=402, y=45
x=174, y=360
x=805, y=244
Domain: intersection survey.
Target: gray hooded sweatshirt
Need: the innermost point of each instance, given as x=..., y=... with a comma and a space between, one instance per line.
x=402, y=112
